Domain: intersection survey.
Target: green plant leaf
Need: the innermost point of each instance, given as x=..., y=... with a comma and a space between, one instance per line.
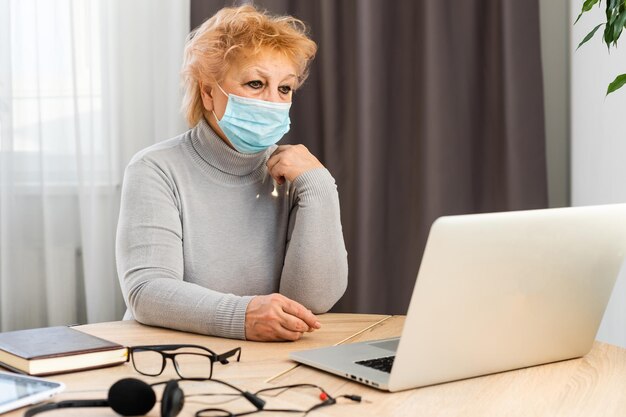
x=617, y=83
x=589, y=35
x=617, y=31
x=587, y=5
x=620, y=22
x=608, y=35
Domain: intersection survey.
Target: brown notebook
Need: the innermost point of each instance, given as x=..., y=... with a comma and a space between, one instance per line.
x=53, y=350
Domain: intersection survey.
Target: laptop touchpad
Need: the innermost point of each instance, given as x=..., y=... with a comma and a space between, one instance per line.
x=391, y=345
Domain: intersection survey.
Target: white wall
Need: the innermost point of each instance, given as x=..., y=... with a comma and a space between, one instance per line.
x=598, y=139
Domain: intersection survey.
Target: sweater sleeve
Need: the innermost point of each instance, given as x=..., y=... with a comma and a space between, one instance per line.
x=315, y=272
x=149, y=255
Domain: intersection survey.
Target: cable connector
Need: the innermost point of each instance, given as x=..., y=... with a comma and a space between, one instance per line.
x=356, y=398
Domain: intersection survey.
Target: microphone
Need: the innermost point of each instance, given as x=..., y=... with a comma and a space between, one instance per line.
x=128, y=397
x=131, y=397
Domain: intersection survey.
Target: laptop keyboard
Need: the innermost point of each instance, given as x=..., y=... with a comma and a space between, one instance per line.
x=382, y=364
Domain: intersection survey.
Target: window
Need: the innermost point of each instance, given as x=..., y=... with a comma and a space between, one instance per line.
x=55, y=101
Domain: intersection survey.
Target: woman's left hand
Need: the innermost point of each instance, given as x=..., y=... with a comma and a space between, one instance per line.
x=289, y=161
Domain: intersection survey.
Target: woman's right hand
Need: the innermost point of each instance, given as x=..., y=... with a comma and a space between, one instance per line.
x=275, y=317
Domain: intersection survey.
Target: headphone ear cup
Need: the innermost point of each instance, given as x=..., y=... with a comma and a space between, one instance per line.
x=173, y=399
x=131, y=397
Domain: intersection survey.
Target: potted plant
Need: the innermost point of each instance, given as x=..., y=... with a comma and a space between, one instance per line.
x=615, y=23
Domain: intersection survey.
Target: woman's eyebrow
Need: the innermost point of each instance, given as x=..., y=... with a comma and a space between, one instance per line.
x=264, y=74
x=252, y=71
x=290, y=76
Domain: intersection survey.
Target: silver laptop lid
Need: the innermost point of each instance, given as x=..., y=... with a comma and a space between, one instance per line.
x=508, y=290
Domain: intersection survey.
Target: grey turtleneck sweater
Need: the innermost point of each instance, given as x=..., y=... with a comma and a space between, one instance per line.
x=204, y=228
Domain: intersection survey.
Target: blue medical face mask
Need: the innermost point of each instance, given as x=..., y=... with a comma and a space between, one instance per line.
x=253, y=125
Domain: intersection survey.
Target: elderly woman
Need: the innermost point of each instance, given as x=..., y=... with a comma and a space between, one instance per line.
x=222, y=232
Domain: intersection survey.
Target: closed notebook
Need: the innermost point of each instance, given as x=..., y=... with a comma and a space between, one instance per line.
x=52, y=350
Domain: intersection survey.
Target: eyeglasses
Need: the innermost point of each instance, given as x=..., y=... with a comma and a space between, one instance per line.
x=190, y=361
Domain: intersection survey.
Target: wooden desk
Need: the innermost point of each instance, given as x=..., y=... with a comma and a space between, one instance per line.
x=593, y=385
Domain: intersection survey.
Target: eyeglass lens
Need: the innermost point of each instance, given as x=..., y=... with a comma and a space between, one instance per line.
x=188, y=364
x=148, y=362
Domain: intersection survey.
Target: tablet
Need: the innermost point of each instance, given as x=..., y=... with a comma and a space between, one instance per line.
x=20, y=390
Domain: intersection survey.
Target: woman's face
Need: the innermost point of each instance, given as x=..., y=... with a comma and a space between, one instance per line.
x=268, y=75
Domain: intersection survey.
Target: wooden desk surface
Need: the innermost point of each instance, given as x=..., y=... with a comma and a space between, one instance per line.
x=593, y=385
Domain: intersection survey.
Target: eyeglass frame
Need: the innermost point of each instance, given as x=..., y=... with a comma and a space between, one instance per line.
x=162, y=350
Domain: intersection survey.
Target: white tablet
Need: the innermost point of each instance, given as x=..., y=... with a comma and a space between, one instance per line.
x=20, y=390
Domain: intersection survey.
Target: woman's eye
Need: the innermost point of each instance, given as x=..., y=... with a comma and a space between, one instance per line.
x=256, y=84
x=284, y=89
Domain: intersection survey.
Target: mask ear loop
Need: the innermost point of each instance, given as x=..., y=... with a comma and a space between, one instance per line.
x=223, y=92
x=214, y=115
x=213, y=110
x=221, y=89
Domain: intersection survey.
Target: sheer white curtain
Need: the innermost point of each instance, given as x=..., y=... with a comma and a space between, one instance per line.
x=84, y=84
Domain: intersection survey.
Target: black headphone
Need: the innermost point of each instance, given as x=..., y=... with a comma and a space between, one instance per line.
x=128, y=397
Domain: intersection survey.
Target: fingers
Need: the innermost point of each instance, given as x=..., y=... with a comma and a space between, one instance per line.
x=293, y=323
x=284, y=334
x=275, y=317
x=290, y=161
x=274, y=158
x=298, y=310
x=272, y=164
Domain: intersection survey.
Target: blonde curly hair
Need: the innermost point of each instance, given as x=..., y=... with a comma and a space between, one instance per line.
x=211, y=48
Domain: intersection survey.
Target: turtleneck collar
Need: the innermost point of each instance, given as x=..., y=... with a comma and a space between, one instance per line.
x=215, y=152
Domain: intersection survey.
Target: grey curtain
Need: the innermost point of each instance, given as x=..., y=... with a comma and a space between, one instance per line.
x=419, y=109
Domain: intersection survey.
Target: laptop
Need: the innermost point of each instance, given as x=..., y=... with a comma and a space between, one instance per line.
x=495, y=292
